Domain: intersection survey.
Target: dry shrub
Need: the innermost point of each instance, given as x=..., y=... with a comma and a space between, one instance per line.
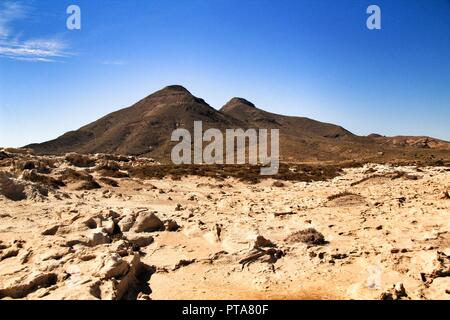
x=341, y=195
x=278, y=184
x=4, y=155
x=34, y=176
x=109, y=165
x=109, y=182
x=80, y=160
x=390, y=175
x=113, y=174
x=41, y=166
x=71, y=175
x=111, y=169
x=245, y=173
x=88, y=185
x=309, y=236
x=113, y=157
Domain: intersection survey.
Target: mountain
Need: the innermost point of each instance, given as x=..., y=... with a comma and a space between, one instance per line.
x=142, y=129
x=306, y=139
x=298, y=126
x=145, y=129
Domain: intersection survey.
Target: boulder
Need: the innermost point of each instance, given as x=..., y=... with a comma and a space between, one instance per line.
x=11, y=188
x=111, y=265
x=142, y=239
x=120, y=247
x=397, y=292
x=21, y=286
x=127, y=222
x=108, y=226
x=4, y=155
x=147, y=222
x=261, y=242
x=97, y=237
x=171, y=225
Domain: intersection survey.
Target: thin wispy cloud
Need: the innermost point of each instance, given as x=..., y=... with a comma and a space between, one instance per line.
x=12, y=45
x=36, y=50
x=10, y=11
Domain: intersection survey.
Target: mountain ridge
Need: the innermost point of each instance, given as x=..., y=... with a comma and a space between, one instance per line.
x=145, y=129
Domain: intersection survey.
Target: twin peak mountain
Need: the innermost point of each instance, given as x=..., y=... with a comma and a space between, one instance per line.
x=145, y=129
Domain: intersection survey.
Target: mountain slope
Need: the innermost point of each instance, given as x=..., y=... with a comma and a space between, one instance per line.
x=144, y=128
x=297, y=126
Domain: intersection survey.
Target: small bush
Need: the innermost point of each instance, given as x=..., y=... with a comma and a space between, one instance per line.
x=309, y=236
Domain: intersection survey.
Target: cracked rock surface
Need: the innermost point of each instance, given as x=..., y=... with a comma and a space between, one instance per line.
x=372, y=232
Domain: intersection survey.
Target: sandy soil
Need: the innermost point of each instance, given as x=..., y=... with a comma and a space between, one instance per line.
x=385, y=235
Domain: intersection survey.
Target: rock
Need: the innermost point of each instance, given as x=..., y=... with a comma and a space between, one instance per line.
x=400, y=289
x=24, y=256
x=4, y=155
x=147, y=222
x=91, y=223
x=9, y=253
x=179, y=207
x=34, y=176
x=11, y=188
x=397, y=292
x=261, y=242
x=171, y=225
x=142, y=239
x=441, y=267
x=50, y=231
x=73, y=240
x=97, y=237
x=183, y=263
x=108, y=226
x=53, y=254
x=143, y=296
x=110, y=214
x=111, y=265
x=120, y=284
x=127, y=222
x=120, y=247
x=20, y=287
x=135, y=281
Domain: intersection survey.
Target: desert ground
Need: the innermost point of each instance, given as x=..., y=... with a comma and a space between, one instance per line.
x=101, y=227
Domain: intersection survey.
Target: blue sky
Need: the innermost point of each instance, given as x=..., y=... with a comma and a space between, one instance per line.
x=307, y=58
